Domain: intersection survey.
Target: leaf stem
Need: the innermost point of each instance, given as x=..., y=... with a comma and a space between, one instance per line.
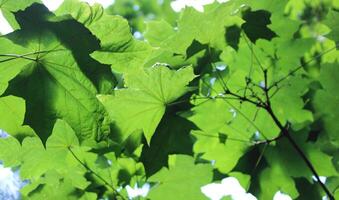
x=116, y=192
x=25, y=56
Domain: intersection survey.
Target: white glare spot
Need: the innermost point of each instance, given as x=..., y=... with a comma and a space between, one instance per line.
x=138, y=35
x=212, y=80
x=281, y=196
x=109, y=162
x=157, y=64
x=3, y=134
x=234, y=12
x=220, y=66
x=257, y=135
x=234, y=112
x=104, y=3
x=212, y=162
x=119, y=188
x=10, y=184
x=52, y=5
x=136, y=191
x=151, y=16
x=214, y=191
x=5, y=27
x=322, y=179
x=321, y=38
x=229, y=186
x=262, y=84
x=136, y=7
x=198, y=5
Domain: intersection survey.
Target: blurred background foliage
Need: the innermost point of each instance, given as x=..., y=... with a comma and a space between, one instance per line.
x=139, y=12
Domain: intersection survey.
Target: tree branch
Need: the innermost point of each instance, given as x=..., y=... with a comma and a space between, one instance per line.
x=285, y=133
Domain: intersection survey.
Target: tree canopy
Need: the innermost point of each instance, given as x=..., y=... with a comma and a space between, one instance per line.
x=245, y=89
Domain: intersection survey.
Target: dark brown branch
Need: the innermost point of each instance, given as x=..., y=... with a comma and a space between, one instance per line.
x=285, y=133
x=283, y=129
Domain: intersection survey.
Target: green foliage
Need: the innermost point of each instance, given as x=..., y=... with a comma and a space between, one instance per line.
x=143, y=103
x=182, y=180
x=246, y=89
x=328, y=79
x=137, y=12
x=8, y=7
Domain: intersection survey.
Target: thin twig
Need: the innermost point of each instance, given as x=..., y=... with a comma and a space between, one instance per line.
x=301, y=66
x=285, y=133
x=116, y=192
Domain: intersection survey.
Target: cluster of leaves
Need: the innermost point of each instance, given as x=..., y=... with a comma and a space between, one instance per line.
x=245, y=89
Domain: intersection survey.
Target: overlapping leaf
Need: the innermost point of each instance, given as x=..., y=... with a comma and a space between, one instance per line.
x=52, y=82
x=118, y=47
x=12, y=118
x=244, y=53
x=331, y=22
x=8, y=7
x=11, y=65
x=142, y=104
x=326, y=101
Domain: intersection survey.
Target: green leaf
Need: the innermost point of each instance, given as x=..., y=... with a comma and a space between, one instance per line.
x=224, y=155
x=143, y=103
x=118, y=47
x=35, y=159
x=141, y=11
x=282, y=182
x=244, y=179
x=10, y=153
x=182, y=180
x=107, y=105
x=172, y=136
x=196, y=25
x=255, y=25
x=158, y=32
x=331, y=21
x=63, y=136
x=11, y=65
x=284, y=159
x=326, y=101
x=233, y=119
x=7, y=7
x=12, y=111
x=52, y=82
x=52, y=186
x=287, y=104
